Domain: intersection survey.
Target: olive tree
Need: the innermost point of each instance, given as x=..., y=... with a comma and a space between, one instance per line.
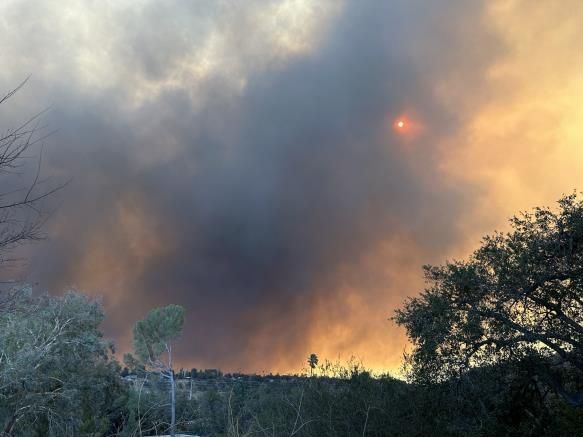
x=154, y=337
x=518, y=298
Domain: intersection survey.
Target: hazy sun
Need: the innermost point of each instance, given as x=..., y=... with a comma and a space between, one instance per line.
x=401, y=125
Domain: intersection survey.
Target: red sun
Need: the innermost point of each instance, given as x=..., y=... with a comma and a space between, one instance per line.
x=402, y=125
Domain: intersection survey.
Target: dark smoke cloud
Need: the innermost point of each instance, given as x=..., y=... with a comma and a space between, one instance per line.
x=245, y=202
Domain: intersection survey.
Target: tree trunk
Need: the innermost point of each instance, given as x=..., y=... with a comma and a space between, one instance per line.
x=173, y=404
x=172, y=392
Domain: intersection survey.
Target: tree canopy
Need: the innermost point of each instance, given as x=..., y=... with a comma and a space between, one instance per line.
x=153, y=336
x=518, y=298
x=56, y=372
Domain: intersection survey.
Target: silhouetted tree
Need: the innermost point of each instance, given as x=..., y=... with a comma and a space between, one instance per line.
x=518, y=298
x=21, y=216
x=312, y=362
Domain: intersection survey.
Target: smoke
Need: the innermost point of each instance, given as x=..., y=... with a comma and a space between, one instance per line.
x=238, y=159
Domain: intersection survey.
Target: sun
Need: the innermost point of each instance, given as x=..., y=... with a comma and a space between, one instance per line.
x=402, y=125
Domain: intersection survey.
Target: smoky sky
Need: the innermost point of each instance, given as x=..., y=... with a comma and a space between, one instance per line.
x=243, y=193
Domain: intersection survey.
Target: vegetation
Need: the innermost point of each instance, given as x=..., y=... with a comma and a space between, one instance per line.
x=56, y=374
x=153, y=338
x=313, y=362
x=346, y=400
x=517, y=301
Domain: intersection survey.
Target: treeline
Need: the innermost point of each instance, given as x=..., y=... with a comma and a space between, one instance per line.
x=58, y=378
x=193, y=373
x=490, y=401
x=204, y=374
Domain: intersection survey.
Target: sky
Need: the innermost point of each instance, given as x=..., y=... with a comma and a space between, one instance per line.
x=244, y=159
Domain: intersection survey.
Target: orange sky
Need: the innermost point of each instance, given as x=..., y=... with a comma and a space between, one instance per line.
x=521, y=141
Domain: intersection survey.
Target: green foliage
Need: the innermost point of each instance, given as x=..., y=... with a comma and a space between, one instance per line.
x=147, y=409
x=56, y=375
x=485, y=402
x=134, y=365
x=153, y=337
x=517, y=299
x=154, y=334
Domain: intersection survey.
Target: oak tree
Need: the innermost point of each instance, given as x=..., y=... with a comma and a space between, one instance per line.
x=518, y=298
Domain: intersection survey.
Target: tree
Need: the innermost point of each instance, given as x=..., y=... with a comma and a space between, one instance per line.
x=21, y=216
x=517, y=299
x=154, y=337
x=52, y=360
x=313, y=362
x=51, y=351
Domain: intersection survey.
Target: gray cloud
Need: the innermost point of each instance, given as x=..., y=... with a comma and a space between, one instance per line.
x=241, y=193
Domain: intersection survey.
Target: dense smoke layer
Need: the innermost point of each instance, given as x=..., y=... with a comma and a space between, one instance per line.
x=239, y=158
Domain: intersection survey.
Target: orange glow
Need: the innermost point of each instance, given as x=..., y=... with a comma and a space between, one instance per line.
x=402, y=125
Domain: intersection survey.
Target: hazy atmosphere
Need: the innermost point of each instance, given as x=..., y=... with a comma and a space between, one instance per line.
x=283, y=169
